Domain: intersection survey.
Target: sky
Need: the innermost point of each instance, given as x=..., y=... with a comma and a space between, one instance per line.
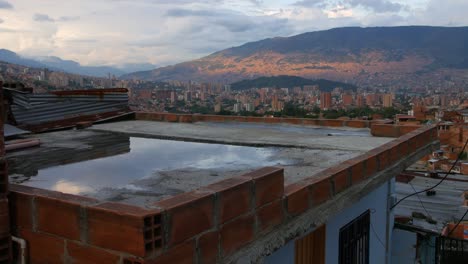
x=116, y=32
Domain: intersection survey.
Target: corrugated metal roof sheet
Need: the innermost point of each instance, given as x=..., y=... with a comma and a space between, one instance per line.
x=444, y=207
x=10, y=131
x=29, y=109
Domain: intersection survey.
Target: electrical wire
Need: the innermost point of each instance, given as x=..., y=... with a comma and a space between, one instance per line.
x=458, y=223
x=419, y=198
x=373, y=211
x=377, y=236
x=435, y=186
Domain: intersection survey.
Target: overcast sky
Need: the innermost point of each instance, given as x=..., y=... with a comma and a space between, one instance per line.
x=162, y=32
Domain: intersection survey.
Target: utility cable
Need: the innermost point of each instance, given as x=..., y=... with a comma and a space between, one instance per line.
x=433, y=187
x=419, y=198
x=458, y=223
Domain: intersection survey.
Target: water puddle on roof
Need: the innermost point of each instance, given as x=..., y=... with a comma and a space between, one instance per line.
x=306, y=130
x=130, y=162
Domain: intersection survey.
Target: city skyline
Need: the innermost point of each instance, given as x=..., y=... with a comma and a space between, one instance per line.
x=115, y=32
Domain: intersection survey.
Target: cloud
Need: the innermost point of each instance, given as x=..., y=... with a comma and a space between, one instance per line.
x=68, y=18
x=180, y=12
x=5, y=5
x=166, y=32
x=378, y=6
x=1, y=21
x=42, y=18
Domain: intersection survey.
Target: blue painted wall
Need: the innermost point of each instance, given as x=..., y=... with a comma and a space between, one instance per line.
x=403, y=247
x=376, y=201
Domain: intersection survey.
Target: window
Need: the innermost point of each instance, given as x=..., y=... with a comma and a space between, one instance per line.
x=354, y=241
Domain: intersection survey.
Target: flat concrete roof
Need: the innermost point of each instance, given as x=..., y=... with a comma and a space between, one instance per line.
x=128, y=162
x=326, y=138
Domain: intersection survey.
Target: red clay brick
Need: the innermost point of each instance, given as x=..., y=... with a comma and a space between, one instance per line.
x=58, y=217
x=381, y=130
x=148, y=116
x=43, y=248
x=215, y=118
x=293, y=121
x=272, y=120
x=357, y=123
x=185, y=118
x=395, y=154
x=21, y=210
x=297, y=198
x=403, y=148
x=183, y=254
x=332, y=123
x=189, y=214
x=270, y=215
x=371, y=165
x=105, y=219
x=341, y=181
x=384, y=159
x=357, y=172
x=84, y=254
x=171, y=118
x=234, y=196
x=407, y=129
x=209, y=247
x=236, y=234
x=251, y=119
x=311, y=122
x=320, y=191
x=269, y=184
x=239, y=119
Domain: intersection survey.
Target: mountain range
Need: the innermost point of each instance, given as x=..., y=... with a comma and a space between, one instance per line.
x=355, y=55
x=69, y=66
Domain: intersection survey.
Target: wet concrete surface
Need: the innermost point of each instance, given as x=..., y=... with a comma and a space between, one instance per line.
x=252, y=134
x=123, y=168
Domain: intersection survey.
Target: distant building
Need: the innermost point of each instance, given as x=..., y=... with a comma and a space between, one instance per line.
x=387, y=100
x=188, y=96
x=359, y=100
x=325, y=100
x=237, y=107
x=217, y=108
x=249, y=107
x=347, y=99
x=371, y=99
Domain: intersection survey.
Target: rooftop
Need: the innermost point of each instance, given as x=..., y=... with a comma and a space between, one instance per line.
x=446, y=206
x=140, y=162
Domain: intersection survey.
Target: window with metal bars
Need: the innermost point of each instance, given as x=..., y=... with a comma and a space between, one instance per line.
x=354, y=241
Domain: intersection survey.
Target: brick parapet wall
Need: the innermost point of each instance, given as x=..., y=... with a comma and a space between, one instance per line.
x=377, y=128
x=388, y=130
x=189, y=118
x=206, y=225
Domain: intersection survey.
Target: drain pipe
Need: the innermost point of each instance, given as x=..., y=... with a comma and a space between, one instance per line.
x=22, y=244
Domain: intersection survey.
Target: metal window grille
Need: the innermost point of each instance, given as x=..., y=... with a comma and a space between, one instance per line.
x=354, y=241
x=451, y=250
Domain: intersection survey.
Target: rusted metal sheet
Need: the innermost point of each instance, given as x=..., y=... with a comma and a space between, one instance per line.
x=91, y=92
x=64, y=108
x=72, y=122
